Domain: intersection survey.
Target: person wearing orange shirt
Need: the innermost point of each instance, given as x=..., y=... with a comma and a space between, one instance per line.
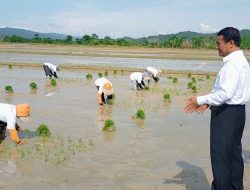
x=8, y=115
x=105, y=90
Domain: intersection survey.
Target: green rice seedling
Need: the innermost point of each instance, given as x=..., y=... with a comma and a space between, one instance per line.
x=194, y=89
x=189, y=75
x=122, y=72
x=146, y=88
x=169, y=77
x=33, y=86
x=189, y=85
x=100, y=75
x=167, y=97
x=43, y=131
x=200, y=79
x=53, y=82
x=140, y=114
x=175, y=80
x=106, y=73
x=193, y=80
x=110, y=99
x=9, y=89
x=89, y=76
x=10, y=66
x=115, y=72
x=109, y=126
x=208, y=76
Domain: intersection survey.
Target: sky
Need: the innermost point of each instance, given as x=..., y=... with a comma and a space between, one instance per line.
x=120, y=18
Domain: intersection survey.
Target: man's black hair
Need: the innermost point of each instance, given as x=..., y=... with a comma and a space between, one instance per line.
x=230, y=33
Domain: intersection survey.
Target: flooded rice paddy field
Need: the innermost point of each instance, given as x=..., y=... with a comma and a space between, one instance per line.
x=168, y=150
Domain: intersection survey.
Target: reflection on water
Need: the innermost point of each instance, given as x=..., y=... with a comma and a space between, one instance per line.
x=166, y=64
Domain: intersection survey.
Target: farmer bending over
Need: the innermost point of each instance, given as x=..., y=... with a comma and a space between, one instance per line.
x=105, y=90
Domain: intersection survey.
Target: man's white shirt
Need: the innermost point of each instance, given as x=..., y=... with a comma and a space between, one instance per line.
x=232, y=84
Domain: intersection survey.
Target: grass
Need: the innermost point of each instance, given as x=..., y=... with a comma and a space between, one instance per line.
x=109, y=126
x=33, y=86
x=9, y=89
x=167, y=97
x=140, y=114
x=100, y=75
x=89, y=76
x=43, y=131
x=53, y=82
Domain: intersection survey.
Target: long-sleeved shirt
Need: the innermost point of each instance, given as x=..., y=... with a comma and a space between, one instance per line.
x=51, y=66
x=8, y=115
x=232, y=84
x=137, y=76
x=100, y=82
x=152, y=71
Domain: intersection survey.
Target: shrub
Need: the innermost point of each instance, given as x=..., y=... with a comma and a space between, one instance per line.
x=53, y=82
x=43, y=131
x=33, y=86
x=189, y=85
x=167, y=97
x=140, y=114
x=100, y=75
x=109, y=126
x=9, y=89
x=89, y=76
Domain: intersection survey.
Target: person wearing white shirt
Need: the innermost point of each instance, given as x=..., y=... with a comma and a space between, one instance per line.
x=8, y=115
x=105, y=90
x=227, y=103
x=137, y=80
x=50, y=69
x=153, y=73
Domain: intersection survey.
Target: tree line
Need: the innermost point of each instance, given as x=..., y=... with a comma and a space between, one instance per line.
x=207, y=41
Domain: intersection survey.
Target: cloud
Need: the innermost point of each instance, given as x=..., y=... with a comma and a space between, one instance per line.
x=206, y=28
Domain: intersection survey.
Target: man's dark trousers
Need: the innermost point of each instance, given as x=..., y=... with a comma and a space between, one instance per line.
x=226, y=129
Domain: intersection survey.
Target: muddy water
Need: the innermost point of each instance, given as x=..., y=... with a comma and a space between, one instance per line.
x=166, y=64
x=169, y=150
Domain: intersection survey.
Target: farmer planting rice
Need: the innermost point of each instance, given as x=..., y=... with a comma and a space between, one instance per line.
x=137, y=80
x=8, y=115
x=105, y=90
x=153, y=73
x=50, y=69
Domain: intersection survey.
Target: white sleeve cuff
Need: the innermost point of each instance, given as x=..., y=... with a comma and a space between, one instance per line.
x=201, y=100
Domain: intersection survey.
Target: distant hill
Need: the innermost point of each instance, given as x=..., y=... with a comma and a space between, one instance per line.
x=157, y=38
x=28, y=33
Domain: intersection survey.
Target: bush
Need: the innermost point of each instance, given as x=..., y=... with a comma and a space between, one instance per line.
x=89, y=76
x=43, y=131
x=9, y=89
x=167, y=97
x=140, y=114
x=33, y=86
x=109, y=126
x=53, y=82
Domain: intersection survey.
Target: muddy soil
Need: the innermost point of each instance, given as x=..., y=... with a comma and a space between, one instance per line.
x=167, y=150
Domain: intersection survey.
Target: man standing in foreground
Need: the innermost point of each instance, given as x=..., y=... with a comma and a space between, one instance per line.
x=227, y=103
